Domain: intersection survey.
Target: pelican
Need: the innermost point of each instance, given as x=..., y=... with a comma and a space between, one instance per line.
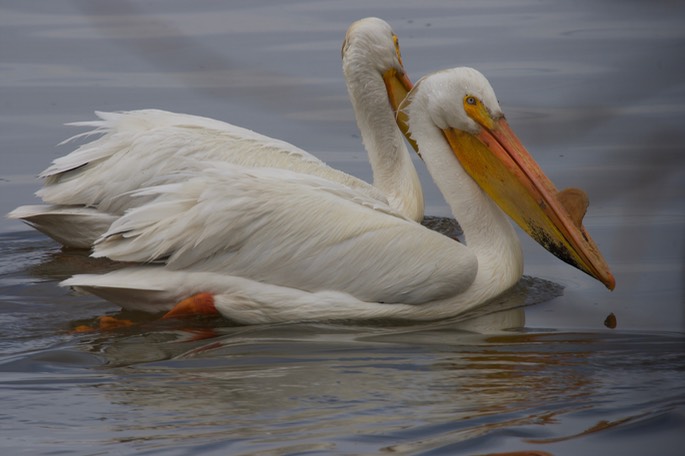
x=86, y=190
x=258, y=245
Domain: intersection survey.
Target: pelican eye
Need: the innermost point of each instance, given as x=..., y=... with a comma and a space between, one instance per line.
x=477, y=111
x=396, y=42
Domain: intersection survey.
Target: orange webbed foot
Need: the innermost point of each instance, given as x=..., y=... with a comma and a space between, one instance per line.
x=104, y=323
x=197, y=304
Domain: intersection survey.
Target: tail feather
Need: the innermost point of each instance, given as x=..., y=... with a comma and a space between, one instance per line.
x=72, y=226
x=133, y=289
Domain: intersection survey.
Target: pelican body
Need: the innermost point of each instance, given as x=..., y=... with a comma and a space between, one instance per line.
x=88, y=189
x=258, y=245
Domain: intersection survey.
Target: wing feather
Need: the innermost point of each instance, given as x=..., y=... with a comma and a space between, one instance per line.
x=137, y=147
x=290, y=229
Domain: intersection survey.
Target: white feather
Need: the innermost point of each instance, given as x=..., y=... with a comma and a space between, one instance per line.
x=289, y=229
x=274, y=247
x=75, y=226
x=137, y=149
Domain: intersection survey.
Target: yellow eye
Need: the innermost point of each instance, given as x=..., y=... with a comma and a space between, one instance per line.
x=476, y=110
x=396, y=41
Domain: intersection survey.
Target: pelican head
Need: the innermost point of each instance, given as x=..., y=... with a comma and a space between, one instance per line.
x=461, y=103
x=371, y=48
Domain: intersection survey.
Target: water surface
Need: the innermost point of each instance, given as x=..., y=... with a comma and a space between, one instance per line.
x=594, y=90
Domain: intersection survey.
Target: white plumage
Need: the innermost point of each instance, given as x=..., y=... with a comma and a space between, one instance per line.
x=142, y=148
x=264, y=232
x=316, y=249
x=270, y=245
x=287, y=229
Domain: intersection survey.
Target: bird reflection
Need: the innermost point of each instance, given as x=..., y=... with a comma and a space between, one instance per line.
x=148, y=338
x=240, y=383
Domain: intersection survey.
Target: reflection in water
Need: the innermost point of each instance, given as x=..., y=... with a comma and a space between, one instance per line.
x=408, y=389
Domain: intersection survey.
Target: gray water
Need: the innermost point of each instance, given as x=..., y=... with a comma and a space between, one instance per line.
x=595, y=90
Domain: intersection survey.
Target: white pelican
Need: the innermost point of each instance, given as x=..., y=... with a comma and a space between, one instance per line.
x=88, y=189
x=258, y=246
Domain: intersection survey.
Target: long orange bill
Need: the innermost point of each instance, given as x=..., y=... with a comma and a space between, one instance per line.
x=503, y=168
x=398, y=86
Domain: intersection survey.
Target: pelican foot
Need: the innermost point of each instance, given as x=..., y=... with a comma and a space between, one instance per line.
x=104, y=323
x=195, y=305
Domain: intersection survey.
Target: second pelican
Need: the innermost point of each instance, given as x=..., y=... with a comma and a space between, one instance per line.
x=88, y=189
